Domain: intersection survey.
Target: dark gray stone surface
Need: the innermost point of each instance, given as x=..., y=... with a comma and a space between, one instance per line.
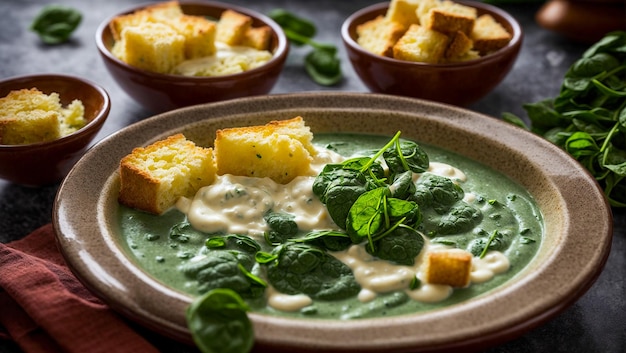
x=595, y=323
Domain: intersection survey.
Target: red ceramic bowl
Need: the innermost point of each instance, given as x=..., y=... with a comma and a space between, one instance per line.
x=163, y=92
x=46, y=163
x=460, y=83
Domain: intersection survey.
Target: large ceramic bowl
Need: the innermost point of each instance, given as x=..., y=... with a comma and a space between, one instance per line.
x=161, y=92
x=578, y=224
x=460, y=83
x=45, y=163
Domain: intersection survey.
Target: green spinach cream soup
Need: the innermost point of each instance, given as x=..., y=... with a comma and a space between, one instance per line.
x=351, y=241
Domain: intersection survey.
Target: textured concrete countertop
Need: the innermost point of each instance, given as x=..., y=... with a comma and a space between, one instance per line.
x=595, y=323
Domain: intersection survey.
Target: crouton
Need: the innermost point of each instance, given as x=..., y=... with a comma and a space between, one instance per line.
x=460, y=44
x=232, y=27
x=421, y=44
x=403, y=12
x=154, y=47
x=280, y=150
x=379, y=35
x=162, y=12
x=449, y=267
x=451, y=17
x=489, y=35
x=257, y=38
x=424, y=8
x=152, y=178
x=31, y=116
x=199, y=34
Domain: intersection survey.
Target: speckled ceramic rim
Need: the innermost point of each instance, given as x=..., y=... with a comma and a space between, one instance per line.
x=279, y=53
x=573, y=253
x=517, y=36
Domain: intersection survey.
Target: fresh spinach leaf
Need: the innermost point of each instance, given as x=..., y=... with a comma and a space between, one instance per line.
x=406, y=156
x=328, y=239
x=302, y=268
x=219, y=323
x=401, y=246
x=55, y=23
x=321, y=64
x=282, y=227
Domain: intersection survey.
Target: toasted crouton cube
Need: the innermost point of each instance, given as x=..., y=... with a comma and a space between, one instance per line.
x=449, y=267
x=29, y=116
x=403, y=12
x=379, y=35
x=421, y=44
x=450, y=18
x=278, y=150
x=460, y=45
x=154, y=47
x=199, y=35
x=162, y=12
x=30, y=127
x=257, y=38
x=488, y=35
x=423, y=9
x=152, y=178
x=232, y=27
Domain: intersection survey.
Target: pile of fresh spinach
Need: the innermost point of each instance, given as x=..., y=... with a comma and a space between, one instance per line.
x=588, y=117
x=55, y=23
x=322, y=64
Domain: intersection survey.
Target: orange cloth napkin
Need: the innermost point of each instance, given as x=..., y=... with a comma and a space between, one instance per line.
x=44, y=308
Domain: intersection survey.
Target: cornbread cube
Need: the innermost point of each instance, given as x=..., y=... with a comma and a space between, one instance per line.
x=403, y=12
x=29, y=127
x=257, y=38
x=232, y=27
x=424, y=8
x=421, y=44
x=489, y=35
x=449, y=267
x=154, y=13
x=460, y=44
x=379, y=35
x=199, y=34
x=278, y=150
x=154, y=47
x=451, y=17
x=29, y=116
x=152, y=178
x=164, y=11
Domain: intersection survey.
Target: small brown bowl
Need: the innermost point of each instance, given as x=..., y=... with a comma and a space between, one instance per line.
x=162, y=92
x=46, y=163
x=461, y=83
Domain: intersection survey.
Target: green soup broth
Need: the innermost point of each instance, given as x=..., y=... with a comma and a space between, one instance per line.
x=505, y=205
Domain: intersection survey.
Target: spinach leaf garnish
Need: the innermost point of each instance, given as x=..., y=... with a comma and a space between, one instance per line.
x=588, y=117
x=228, y=263
x=55, y=23
x=282, y=227
x=370, y=204
x=302, y=268
x=218, y=322
x=322, y=64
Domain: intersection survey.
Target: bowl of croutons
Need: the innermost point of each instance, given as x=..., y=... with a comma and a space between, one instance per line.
x=47, y=122
x=174, y=54
x=452, y=52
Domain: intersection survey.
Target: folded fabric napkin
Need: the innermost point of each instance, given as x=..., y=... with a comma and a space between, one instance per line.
x=44, y=308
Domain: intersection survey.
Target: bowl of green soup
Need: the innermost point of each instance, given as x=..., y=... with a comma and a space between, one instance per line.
x=342, y=259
